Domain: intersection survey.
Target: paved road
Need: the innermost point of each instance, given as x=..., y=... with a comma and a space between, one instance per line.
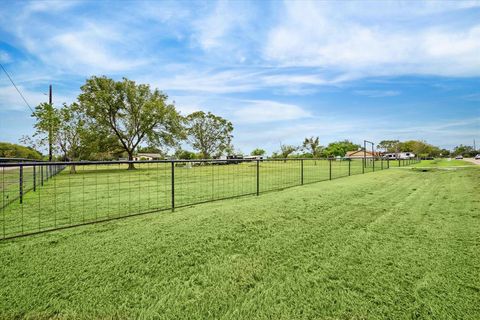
x=472, y=160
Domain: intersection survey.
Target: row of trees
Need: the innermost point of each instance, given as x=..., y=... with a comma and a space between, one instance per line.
x=311, y=148
x=11, y=150
x=420, y=148
x=114, y=117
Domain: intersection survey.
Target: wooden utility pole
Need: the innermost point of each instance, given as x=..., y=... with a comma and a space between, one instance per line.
x=50, y=134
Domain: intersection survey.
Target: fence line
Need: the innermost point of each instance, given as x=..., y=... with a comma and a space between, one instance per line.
x=43, y=196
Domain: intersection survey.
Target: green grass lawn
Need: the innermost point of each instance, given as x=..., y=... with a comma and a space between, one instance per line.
x=442, y=163
x=99, y=192
x=398, y=244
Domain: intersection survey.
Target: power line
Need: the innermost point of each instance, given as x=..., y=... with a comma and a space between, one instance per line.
x=16, y=88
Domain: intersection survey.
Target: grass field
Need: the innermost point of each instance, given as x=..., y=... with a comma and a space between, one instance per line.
x=442, y=163
x=398, y=244
x=98, y=192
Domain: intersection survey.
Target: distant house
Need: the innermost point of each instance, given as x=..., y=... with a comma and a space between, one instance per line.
x=360, y=154
x=147, y=156
x=399, y=155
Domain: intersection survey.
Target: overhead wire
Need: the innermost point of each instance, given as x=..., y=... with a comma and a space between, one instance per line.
x=18, y=90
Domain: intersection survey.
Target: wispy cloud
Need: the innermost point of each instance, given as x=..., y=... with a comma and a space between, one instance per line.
x=353, y=44
x=377, y=93
x=263, y=111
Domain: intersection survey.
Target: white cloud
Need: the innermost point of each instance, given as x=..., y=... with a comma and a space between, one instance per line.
x=312, y=34
x=377, y=93
x=11, y=100
x=261, y=111
x=4, y=57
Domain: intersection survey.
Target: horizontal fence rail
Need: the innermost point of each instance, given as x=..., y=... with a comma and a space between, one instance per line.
x=42, y=196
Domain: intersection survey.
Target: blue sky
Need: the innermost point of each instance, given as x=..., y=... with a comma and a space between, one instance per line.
x=280, y=71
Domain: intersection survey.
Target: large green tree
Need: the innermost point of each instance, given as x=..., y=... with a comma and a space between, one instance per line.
x=47, y=123
x=389, y=145
x=285, y=151
x=258, y=152
x=466, y=151
x=211, y=135
x=340, y=148
x=131, y=112
x=72, y=134
x=312, y=145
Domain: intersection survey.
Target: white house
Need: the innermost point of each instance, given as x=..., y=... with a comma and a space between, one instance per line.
x=399, y=155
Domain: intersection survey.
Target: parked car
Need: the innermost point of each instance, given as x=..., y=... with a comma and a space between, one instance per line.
x=477, y=157
x=459, y=157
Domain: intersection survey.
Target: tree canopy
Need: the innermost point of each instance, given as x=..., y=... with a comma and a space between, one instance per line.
x=131, y=112
x=47, y=123
x=312, y=145
x=258, y=152
x=340, y=148
x=209, y=134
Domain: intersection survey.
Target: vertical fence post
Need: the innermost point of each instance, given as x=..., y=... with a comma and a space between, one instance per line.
x=20, y=183
x=330, y=170
x=399, y=162
x=363, y=165
x=173, y=185
x=34, y=178
x=258, y=177
x=388, y=163
x=381, y=163
x=41, y=175
x=301, y=170
x=349, y=166
x=373, y=162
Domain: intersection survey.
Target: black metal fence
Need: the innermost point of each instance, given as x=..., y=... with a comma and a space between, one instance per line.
x=66, y=194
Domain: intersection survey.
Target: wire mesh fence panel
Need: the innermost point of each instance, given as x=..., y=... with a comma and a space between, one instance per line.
x=39, y=197
x=279, y=174
x=197, y=182
x=315, y=170
x=339, y=168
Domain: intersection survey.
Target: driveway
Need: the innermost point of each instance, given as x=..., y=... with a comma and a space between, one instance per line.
x=472, y=160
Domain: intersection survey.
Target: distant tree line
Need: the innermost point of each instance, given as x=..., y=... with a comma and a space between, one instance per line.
x=11, y=150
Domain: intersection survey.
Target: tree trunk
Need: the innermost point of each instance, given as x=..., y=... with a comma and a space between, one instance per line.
x=73, y=169
x=130, y=164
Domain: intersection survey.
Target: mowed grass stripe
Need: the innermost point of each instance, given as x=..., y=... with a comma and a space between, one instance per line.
x=398, y=244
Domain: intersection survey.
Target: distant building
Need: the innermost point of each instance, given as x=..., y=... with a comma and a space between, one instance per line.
x=148, y=156
x=399, y=155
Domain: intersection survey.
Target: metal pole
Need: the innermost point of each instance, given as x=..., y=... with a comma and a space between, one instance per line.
x=330, y=165
x=41, y=175
x=173, y=186
x=364, y=153
x=349, y=165
x=34, y=178
x=373, y=157
x=363, y=166
x=301, y=171
x=50, y=133
x=258, y=177
x=20, y=186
